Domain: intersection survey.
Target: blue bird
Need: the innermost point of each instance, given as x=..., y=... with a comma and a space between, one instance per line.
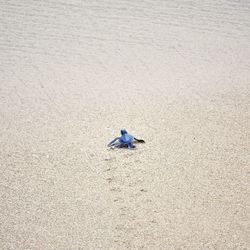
x=125, y=140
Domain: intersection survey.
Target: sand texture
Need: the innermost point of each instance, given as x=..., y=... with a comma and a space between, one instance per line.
x=174, y=73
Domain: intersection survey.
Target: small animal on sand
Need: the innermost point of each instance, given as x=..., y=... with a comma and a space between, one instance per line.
x=125, y=140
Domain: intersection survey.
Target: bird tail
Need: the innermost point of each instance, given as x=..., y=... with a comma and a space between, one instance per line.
x=139, y=140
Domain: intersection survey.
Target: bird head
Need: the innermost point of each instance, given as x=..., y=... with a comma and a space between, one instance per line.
x=123, y=132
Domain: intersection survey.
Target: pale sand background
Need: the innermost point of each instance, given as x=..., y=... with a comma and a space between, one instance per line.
x=72, y=73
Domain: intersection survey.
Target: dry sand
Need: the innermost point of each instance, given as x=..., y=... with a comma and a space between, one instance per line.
x=72, y=73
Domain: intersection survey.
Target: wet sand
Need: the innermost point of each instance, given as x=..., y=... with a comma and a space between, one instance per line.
x=73, y=73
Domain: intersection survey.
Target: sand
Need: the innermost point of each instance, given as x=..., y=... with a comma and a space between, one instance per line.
x=73, y=73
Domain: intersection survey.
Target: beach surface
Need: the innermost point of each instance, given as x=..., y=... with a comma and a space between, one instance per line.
x=174, y=73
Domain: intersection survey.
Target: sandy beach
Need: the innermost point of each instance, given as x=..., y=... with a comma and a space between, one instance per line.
x=174, y=73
